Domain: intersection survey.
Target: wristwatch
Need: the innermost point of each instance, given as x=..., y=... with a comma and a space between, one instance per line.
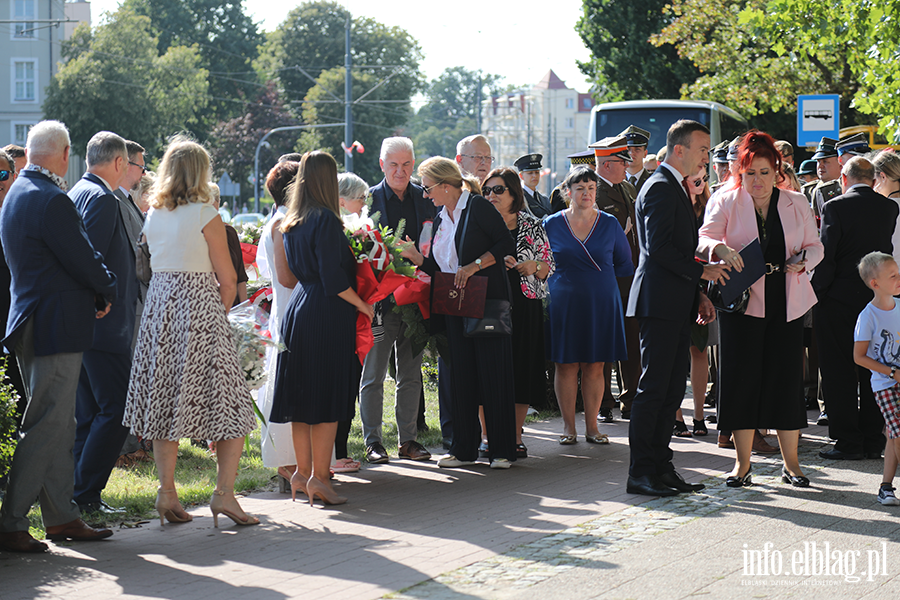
x=478, y=263
x=537, y=269
x=893, y=370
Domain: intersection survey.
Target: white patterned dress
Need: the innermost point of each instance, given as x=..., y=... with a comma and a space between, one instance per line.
x=185, y=376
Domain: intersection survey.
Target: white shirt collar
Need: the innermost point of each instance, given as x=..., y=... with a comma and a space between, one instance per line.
x=530, y=191
x=857, y=185
x=678, y=175
x=605, y=179
x=105, y=182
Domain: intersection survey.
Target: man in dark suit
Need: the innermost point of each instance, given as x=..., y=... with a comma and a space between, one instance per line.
x=60, y=286
x=615, y=196
x=853, y=224
x=396, y=198
x=529, y=167
x=665, y=298
x=106, y=366
x=637, y=140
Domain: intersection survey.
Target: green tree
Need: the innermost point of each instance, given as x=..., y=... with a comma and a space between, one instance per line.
x=226, y=38
x=623, y=64
x=114, y=79
x=855, y=41
x=232, y=143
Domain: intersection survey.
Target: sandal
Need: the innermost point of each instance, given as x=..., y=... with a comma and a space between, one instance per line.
x=345, y=465
x=521, y=451
x=681, y=430
x=700, y=427
x=600, y=438
x=567, y=440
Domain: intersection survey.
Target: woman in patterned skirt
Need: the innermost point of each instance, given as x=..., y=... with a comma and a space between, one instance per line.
x=185, y=380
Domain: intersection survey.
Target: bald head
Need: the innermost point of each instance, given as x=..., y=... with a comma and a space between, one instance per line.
x=857, y=170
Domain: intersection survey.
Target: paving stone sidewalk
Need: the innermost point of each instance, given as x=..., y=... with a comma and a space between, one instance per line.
x=558, y=524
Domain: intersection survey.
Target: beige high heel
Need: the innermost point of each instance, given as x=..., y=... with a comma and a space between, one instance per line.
x=314, y=488
x=298, y=482
x=216, y=505
x=166, y=510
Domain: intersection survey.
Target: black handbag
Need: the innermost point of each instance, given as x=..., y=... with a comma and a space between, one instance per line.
x=497, y=319
x=737, y=307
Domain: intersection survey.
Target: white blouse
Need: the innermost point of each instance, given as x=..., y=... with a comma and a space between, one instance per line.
x=176, y=239
x=444, y=246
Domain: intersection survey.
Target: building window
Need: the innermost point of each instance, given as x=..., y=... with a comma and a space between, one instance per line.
x=23, y=11
x=570, y=123
x=569, y=143
x=586, y=102
x=570, y=103
x=24, y=81
x=20, y=133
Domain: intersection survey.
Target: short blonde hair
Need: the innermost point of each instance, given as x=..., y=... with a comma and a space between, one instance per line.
x=183, y=175
x=443, y=170
x=870, y=265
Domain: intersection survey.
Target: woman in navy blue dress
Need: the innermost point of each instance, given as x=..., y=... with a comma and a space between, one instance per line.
x=586, y=322
x=316, y=378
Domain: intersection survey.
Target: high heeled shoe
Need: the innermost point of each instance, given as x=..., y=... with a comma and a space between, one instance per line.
x=216, y=505
x=794, y=480
x=314, y=488
x=739, y=481
x=167, y=510
x=298, y=482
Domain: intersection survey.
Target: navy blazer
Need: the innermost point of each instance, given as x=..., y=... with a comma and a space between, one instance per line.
x=665, y=282
x=105, y=226
x=425, y=210
x=487, y=232
x=56, y=273
x=853, y=224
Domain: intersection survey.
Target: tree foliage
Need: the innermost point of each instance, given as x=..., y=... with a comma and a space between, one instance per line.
x=226, y=38
x=857, y=39
x=232, y=143
x=752, y=73
x=115, y=79
x=624, y=65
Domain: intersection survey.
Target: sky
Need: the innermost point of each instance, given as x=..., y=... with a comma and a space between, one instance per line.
x=520, y=45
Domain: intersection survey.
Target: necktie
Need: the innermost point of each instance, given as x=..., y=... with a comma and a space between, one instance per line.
x=632, y=180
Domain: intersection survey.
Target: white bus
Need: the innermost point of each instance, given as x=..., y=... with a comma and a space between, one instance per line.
x=656, y=116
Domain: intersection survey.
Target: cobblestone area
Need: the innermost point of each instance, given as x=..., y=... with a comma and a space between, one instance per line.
x=530, y=564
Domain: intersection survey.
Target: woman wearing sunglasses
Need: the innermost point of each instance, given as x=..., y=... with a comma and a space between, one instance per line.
x=528, y=270
x=586, y=324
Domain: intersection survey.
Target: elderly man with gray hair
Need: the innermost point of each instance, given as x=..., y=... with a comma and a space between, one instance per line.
x=60, y=286
x=473, y=155
x=106, y=366
x=396, y=199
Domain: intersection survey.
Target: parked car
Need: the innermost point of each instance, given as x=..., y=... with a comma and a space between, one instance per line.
x=248, y=218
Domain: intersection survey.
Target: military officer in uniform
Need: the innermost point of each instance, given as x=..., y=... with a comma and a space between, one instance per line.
x=615, y=196
x=557, y=197
x=807, y=172
x=720, y=164
x=828, y=169
x=637, y=139
x=529, y=167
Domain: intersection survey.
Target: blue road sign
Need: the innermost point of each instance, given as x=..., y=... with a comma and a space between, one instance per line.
x=817, y=117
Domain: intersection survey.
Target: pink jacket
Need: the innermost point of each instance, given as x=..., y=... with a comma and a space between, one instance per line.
x=731, y=220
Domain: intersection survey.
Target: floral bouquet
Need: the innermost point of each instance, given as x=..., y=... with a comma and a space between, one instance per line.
x=379, y=268
x=249, y=233
x=251, y=338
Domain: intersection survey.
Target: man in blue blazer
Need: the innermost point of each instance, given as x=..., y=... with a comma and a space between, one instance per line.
x=396, y=198
x=60, y=286
x=665, y=297
x=106, y=366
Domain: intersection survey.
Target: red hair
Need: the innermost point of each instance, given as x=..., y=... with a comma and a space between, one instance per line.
x=757, y=144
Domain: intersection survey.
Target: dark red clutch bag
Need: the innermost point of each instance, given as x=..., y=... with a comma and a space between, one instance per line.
x=447, y=299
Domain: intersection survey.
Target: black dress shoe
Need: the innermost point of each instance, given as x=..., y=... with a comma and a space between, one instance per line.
x=874, y=454
x=100, y=507
x=605, y=416
x=839, y=455
x=676, y=481
x=376, y=454
x=737, y=481
x=626, y=415
x=794, y=480
x=649, y=485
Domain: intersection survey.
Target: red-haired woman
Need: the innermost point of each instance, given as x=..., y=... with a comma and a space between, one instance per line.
x=761, y=371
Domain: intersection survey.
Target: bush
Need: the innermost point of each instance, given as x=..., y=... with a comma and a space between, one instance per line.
x=8, y=437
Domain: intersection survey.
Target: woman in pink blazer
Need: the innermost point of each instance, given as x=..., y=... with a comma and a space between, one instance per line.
x=761, y=371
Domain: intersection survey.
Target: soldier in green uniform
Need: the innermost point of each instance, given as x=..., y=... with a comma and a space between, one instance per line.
x=637, y=140
x=720, y=164
x=616, y=197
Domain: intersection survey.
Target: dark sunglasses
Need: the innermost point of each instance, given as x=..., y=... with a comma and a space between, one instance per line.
x=698, y=182
x=496, y=189
x=4, y=175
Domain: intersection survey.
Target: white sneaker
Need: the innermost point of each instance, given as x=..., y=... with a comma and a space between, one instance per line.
x=500, y=463
x=886, y=496
x=450, y=461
